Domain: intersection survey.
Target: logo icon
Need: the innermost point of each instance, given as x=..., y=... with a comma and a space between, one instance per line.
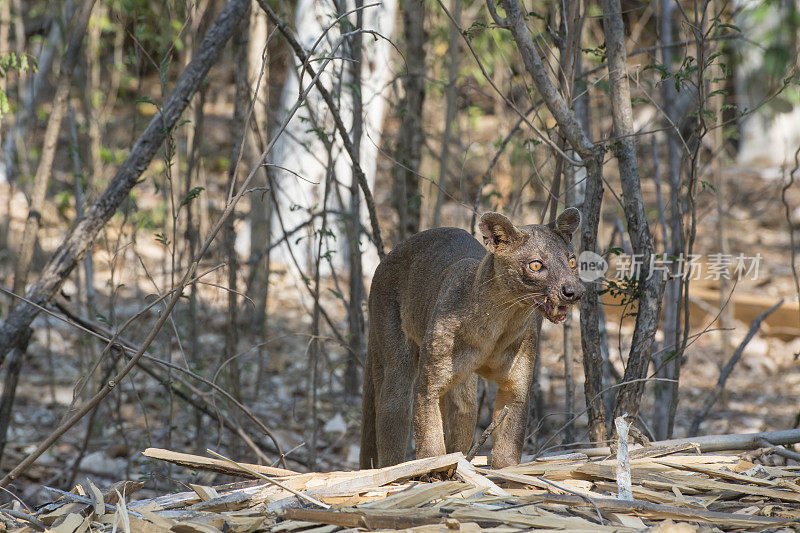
x=591, y=266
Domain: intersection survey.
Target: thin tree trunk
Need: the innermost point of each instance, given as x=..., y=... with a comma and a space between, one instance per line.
x=718, y=152
x=13, y=369
x=44, y=170
x=571, y=27
x=355, y=315
x=93, y=87
x=674, y=290
x=260, y=213
x=92, y=118
x=200, y=22
x=80, y=238
x=12, y=155
x=593, y=320
x=5, y=26
x=80, y=208
x=241, y=106
x=650, y=287
x=316, y=346
x=451, y=96
x=661, y=388
x=409, y=146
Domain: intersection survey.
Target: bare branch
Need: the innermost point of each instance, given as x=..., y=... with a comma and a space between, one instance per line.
x=711, y=399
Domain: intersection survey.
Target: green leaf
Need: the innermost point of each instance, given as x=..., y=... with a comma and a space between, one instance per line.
x=337, y=294
x=733, y=27
x=705, y=184
x=145, y=100
x=162, y=238
x=660, y=68
x=4, y=107
x=191, y=195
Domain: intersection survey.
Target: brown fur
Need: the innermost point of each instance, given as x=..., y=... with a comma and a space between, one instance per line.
x=441, y=310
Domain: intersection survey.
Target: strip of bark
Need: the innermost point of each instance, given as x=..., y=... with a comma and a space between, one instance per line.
x=80, y=239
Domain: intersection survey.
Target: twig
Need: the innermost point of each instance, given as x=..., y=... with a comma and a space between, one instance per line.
x=728, y=368
x=25, y=517
x=777, y=450
x=789, y=223
x=488, y=431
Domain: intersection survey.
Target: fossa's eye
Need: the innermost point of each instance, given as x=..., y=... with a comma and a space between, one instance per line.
x=535, y=266
x=573, y=263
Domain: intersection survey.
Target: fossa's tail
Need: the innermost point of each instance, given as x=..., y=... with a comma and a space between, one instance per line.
x=368, y=457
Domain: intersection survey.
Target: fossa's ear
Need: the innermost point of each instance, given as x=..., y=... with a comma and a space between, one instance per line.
x=498, y=231
x=568, y=222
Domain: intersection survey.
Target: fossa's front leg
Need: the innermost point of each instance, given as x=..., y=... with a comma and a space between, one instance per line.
x=460, y=415
x=513, y=392
x=430, y=385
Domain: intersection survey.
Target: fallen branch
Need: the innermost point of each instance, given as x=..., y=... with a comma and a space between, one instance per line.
x=769, y=448
x=656, y=511
x=361, y=519
x=713, y=443
x=711, y=399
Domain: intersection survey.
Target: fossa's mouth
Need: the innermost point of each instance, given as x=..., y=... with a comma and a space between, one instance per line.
x=555, y=311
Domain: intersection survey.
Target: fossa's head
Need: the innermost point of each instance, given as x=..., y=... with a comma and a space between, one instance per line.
x=536, y=262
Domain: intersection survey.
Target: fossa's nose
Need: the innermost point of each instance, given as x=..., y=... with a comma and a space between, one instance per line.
x=572, y=292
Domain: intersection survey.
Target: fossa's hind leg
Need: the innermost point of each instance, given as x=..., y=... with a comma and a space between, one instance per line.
x=393, y=375
x=460, y=415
